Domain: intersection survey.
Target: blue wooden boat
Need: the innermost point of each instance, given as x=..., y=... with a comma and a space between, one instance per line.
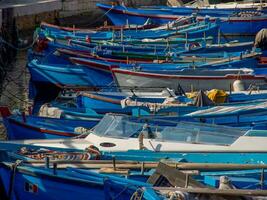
x=124, y=48
x=113, y=101
x=21, y=126
x=249, y=114
x=189, y=48
x=246, y=110
x=62, y=34
x=29, y=174
x=232, y=23
x=185, y=74
x=193, y=30
x=45, y=25
x=183, y=63
x=35, y=183
x=69, y=75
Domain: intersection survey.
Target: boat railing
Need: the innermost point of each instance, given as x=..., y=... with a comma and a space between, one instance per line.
x=194, y=28
x=256, y=133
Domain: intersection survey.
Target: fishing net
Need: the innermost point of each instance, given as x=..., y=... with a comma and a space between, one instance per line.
x=91, y=153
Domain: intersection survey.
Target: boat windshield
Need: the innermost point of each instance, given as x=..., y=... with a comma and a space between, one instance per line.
x=117, y=126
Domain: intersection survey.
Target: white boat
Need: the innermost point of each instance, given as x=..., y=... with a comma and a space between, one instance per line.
x=189, y=79
x=115, y=133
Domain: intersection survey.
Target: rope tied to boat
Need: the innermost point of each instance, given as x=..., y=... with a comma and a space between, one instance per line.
x=178, y=195
x=99, y=18
x=141, y=141
x=94, y=151
x=12, y=178
x=90, y=153
x=120, y=193
x=138, y=194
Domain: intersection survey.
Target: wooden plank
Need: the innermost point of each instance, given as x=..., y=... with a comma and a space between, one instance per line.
x=175, y=177
x=175, y=3
x=114, y=171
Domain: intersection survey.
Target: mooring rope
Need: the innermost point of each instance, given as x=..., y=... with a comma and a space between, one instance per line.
x=12, y=178
x=101, y=17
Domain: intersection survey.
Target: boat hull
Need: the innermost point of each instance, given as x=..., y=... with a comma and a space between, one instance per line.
x=34, y=127
x=230, y=25
x=67, y=75
x=130, y=79
x=45, y=185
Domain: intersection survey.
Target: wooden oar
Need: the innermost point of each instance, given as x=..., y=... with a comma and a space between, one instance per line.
x=97, y=164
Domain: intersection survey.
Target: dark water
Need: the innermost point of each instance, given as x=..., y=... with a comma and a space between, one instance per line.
x=15, y=87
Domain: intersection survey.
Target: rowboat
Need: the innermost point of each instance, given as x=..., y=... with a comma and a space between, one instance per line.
x=148, y=25
x=247, y=110
x=21, y=126
x=247, y=114
x=185, y=62
x=107, y=102
x=189, y=48
x=116, y=102
x=234, y=21
x=209, y=79
x=178, y=29
x=35, y=183
x=62, y=75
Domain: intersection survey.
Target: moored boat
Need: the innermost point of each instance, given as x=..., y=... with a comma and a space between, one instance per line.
x=234, y=21
x=21, y=126
x=220, y=79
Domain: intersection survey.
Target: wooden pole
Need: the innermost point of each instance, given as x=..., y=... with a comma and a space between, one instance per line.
x=186, y=180
x=228, y=192
x=219, y=36
x=54, y=168
x=186, y=38
x=262, y=179
x=142, y=168
x=47, y=162
x=113, y=35
x=121, y=35
x=94, y=164
x=114, y=162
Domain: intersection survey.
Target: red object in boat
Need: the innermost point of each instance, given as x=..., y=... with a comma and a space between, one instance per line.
x=88, y=39
x=263, y=60
x=5, y=112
